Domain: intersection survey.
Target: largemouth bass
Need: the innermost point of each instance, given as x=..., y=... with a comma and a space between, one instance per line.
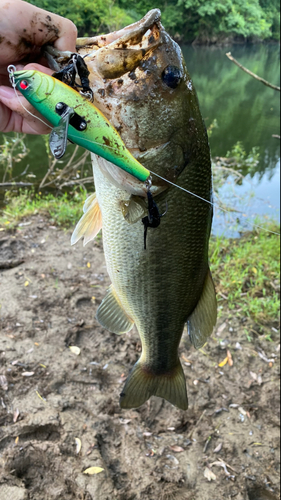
x=140, y=82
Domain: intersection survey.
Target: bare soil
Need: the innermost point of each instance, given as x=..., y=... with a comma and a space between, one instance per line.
x=50, y=396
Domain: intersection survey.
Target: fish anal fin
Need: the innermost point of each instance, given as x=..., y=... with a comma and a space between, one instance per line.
x=142, y=383
x=111, y=314
x=201, y=322
x=90, y=223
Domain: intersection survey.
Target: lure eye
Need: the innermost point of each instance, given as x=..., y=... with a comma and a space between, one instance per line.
x=24, y=84
x=172, y=76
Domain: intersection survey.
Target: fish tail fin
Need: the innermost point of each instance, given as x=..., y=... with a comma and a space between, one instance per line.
x=142, y=383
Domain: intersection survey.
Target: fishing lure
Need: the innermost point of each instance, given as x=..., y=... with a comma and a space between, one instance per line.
x=75, y=118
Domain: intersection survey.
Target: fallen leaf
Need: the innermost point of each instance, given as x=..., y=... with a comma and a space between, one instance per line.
x=93, y=470
x=221, y=328
x=229, y=358
x=242, y=411
x=218, y=448
x=256, y=377
x=88, y=265
x=125, y=421
x=26, y=283
x=16, y=415
x=185, y=359
x=176, y=449
x=76, y=350
x=209, y=474
x=223, y=363
x=3, y=382
x=78, y=445
x=17, y=440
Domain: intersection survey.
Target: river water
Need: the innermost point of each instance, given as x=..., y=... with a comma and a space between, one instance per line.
x=245, y=110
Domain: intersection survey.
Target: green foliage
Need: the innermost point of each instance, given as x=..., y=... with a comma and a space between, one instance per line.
x=203, y=20
x=64, y=210
x=242, y=160
x=246, y=274
x=231, y=17
x=13, y=150
x=90, y=16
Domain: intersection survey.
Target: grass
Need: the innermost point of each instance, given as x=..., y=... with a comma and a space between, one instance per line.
x=64, y=210
x=246, y=274
x=245, y=270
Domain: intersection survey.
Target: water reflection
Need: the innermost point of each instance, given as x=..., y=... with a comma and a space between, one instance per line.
x=245, y=110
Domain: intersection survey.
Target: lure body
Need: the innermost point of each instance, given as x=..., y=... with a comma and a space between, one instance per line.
x=96, y=134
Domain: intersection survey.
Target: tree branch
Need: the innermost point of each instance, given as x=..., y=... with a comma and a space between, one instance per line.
x=15, y=184
x=252, y=74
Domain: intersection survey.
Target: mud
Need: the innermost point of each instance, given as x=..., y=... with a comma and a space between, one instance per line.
x=49, y=396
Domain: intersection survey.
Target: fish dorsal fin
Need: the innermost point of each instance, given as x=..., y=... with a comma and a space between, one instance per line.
x=201, y=322
x=111, y=314
x=90, y=223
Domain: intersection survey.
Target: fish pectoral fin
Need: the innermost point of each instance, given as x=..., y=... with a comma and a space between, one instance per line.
x=133, y=209
x=90, y=223
x=141, y=384
x=111, y=314
x=201, y=322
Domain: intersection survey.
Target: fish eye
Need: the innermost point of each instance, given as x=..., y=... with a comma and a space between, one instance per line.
x=24, y=84
x=172, y=76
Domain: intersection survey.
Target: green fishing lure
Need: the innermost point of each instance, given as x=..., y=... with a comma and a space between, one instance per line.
x=75, y=118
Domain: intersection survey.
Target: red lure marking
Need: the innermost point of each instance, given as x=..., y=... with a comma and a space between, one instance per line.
x=24, y=85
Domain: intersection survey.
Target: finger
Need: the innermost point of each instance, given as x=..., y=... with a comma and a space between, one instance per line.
x=68, y=36
x=38, y=67
x=17, y=115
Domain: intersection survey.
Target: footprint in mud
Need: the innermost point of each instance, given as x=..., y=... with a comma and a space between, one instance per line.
x=11, y=253
x=258, y=493
x=83, y=302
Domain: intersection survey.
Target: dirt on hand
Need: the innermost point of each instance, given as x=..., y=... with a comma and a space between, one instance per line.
x=59, y=406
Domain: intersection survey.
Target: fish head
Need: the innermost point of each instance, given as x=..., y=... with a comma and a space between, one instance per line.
x=33, y=85
x=141, y=84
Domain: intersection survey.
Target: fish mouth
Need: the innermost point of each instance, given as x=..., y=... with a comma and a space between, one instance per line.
x=130, y=35
x=121, y=52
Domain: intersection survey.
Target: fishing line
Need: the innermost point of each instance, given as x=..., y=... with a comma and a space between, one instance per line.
x=11, y=70
x=210, y=202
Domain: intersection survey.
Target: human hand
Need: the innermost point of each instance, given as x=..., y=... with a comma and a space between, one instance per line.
x=24, y=30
